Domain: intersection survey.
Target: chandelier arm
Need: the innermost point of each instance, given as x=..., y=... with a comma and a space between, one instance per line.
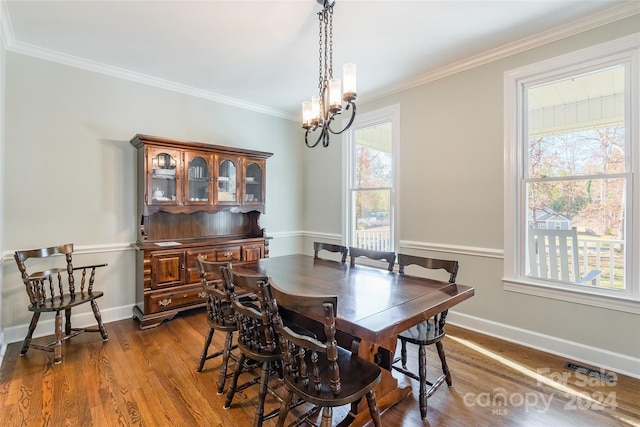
x=323, y=137
x=353, y=116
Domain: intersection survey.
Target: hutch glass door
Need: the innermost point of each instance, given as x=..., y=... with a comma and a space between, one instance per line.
x=253, y=183
x=198, y=178
x=227, y=188
x=164, y=176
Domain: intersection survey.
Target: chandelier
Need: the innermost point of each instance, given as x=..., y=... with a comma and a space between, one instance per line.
x=319, y=113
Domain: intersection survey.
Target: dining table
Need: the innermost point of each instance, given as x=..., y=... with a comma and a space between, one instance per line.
x=374, y=306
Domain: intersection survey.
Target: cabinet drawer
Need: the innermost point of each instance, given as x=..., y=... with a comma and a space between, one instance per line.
x=228, y=253
x=178, y=298
x=252, y=252
x=193, y=273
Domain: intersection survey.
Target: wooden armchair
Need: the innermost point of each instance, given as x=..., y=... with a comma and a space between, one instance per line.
x=389, y=257
x=553, y=254
x=54, y=290
x=256, y=341
x=318, y=371
x=428, y=332
x=216, y=281
x=319, y=246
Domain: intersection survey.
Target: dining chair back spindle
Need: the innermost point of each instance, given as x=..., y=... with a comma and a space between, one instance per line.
x=430, y=331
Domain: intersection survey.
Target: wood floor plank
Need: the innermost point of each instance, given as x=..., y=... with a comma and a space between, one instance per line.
x=148, y=378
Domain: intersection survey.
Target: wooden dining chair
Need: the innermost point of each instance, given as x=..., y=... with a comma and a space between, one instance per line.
x=428, y=332
x=256, y=341
x=216, y=282
x=54, y=291
x=317, y=371
x=319, y=246
x=389, y=257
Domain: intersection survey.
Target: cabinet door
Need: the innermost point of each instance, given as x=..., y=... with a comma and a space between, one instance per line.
x=198, y=178
x=252, y=252
x=226, y=180
x=253, y=182
x=163, y=176
x=167, y=269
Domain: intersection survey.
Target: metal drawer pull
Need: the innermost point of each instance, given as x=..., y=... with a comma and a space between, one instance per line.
x=202, y=294
x=228, y=254
x=165, y=302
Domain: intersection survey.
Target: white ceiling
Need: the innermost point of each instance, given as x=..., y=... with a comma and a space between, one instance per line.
x=264, y=54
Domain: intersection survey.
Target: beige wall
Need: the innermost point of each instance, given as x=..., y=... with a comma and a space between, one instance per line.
x=70, y=177
x=451, y=193
x=71, y=174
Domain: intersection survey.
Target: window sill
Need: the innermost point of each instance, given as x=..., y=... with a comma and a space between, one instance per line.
x=580, y=297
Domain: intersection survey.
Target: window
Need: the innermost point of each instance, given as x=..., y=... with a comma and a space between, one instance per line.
x=370, y=183
x=571, y=138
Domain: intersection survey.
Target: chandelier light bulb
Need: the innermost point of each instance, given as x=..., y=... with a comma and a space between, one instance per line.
x=306, y=114
x=335, y=95
x=349, y=75
x=315, y=110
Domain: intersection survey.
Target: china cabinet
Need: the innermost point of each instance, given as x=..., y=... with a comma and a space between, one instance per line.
x=193, y=198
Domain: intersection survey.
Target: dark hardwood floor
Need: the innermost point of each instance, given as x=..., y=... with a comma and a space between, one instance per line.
x=149, y=378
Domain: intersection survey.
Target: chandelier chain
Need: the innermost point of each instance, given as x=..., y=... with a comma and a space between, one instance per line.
x=331, y=42
x=320, y=41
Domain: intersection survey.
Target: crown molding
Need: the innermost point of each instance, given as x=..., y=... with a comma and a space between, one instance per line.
x=625, y=10
x=86, y=64
x=590, y=22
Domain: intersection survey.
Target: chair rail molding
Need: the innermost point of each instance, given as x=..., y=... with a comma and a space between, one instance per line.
x=453, y=249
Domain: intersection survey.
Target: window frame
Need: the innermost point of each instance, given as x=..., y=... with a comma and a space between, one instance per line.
x=624, y=50
x=383, y=115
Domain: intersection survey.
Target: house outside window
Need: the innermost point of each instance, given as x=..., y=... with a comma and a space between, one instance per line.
x=572, y=165
x=370, y=180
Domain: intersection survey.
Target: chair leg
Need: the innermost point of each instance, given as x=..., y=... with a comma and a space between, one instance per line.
x=403, y=353
x=264, y=381
x=225, y=361
x=207, y=343
x=32, y=327
x=372, y=402
x=445, y=368
x=67, y=321
x=284, y=407
x=234, y=381
x=57, y=349
x=327, y=417
x=422, y=373
x=98, y=316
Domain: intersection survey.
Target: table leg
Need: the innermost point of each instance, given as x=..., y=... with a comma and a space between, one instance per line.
x=388, y=393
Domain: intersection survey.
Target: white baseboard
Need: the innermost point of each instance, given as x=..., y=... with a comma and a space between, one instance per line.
x=573, y=351
x=46, y=326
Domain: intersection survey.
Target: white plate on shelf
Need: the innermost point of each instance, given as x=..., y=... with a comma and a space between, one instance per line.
x=250, y=179
x=162, y=199
x=168, y=172
x=223, y=178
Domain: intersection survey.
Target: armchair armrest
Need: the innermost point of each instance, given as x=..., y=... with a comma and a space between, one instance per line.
x=591, y=277
x=89, y=266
